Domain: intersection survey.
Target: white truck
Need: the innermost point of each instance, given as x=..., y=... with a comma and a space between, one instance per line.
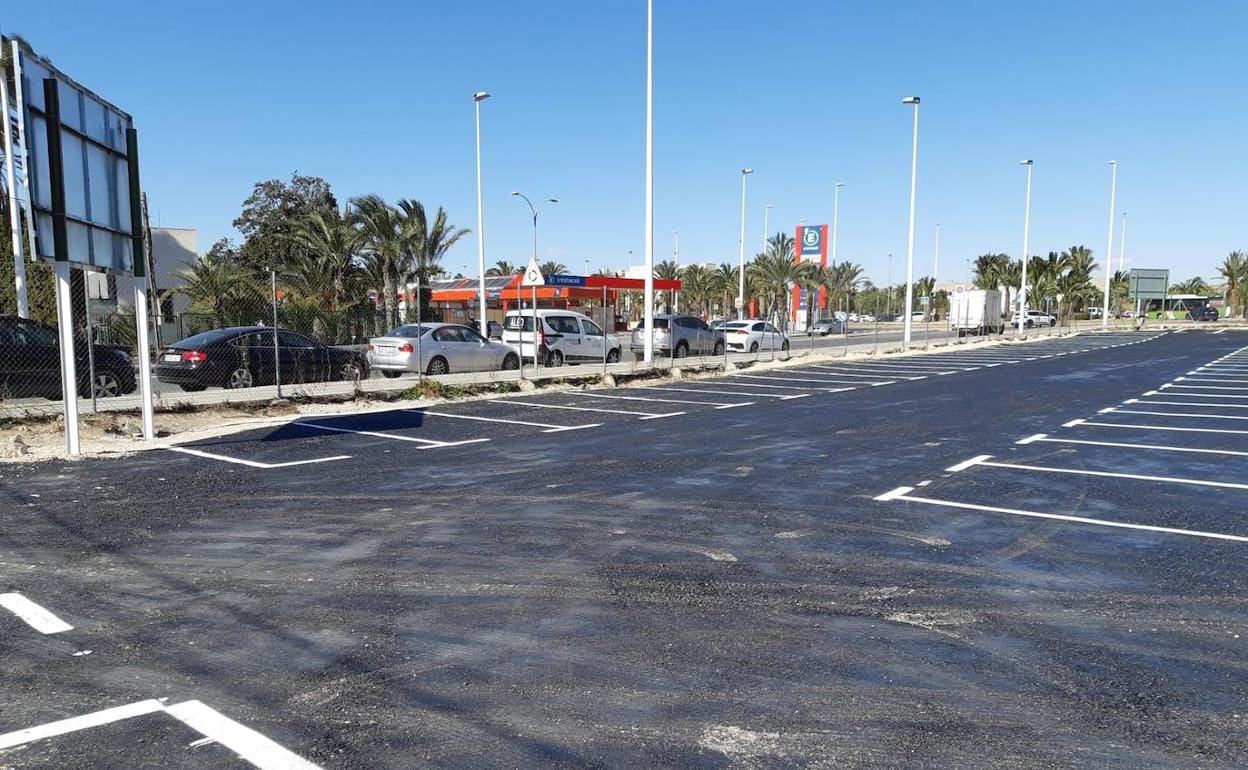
x=975, y=311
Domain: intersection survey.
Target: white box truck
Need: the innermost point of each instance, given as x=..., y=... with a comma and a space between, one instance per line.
x=975, y=311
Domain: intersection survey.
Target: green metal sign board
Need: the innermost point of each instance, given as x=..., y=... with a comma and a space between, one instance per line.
x=1149, y=284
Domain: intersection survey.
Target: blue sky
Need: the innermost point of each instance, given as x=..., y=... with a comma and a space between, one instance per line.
x=377, y=97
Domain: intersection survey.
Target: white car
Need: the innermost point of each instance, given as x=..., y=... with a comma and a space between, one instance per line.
x=753, y=335
x=1037, y=318
x=437, y=348
x=563, y=336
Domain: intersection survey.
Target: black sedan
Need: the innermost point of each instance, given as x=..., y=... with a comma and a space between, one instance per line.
x=30, y=363
x=1203, y=313
x=245, y=356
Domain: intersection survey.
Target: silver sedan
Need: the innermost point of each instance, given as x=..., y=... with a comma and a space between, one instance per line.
x=437, y=348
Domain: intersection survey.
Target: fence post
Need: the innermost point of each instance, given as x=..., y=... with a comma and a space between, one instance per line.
x=277, y=352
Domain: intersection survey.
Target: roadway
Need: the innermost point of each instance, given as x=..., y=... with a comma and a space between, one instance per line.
x=1028, y=555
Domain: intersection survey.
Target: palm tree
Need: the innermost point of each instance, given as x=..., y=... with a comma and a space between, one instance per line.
x=424, y=243
x=382, y=229
x=553, y=268
x=1194, y=285
x=696, y=286
x=1234, y=270
x=925, y=287
x=211, y=284
x=726, y=285
x=330, y=242
x=666, y=270
x=772, y=274
x=503, y=267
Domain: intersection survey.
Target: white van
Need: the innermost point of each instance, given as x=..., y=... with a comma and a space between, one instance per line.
x=564, y=336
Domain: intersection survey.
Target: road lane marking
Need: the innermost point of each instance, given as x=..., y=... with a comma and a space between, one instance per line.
x=253, y=463
x=642, y=415
x=1123, y=445
x=903, y=493
x=1112, y=474
x=548, y=428
x=428, y=443
x=238, y=738
x=713, y=404
x=33, y=615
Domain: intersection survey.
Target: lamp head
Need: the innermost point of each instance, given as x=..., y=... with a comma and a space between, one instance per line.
x=480, y=96
x=910, y=100
x=840, y=184
x=745, y=171
x=1113, y=163
x=552, y=200
x=1024, y=162
x=515, y=192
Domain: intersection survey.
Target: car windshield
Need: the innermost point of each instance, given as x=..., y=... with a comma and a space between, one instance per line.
x=659, y=323
x=408, y=330
x=736, y=325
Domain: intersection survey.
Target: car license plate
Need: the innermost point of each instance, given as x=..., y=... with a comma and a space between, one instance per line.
x=171, y=358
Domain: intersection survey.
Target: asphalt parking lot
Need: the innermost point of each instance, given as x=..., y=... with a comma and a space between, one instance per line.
x=1028, y=555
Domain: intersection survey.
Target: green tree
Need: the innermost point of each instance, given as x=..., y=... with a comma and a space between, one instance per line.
x=270, y=217
x=382, y=228
x=423, y=244
x=553, y=268
x=503, y=267
x=1234, y=272
x=1194, y=285
x=330, y=242
x=219, y=287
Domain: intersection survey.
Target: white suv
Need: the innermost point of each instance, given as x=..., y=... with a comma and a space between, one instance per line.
x=563, y=336
x=1036, y=318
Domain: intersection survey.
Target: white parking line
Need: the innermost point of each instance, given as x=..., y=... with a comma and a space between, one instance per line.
x=1119, y=410
x=903, y=493
x=1203, y=387
x=253, y=463
x=429, y=443
x=837, y=373
x=1121, y=445
x=1156, y=427
x=1201, y=378
x=1205, y=405
x=242, y=740
x=666, y=389
x=981, y=461
x=548, y=428
x=712, y=404
x=1199, y=395
x=33, y=615
x=828, y=381
x=73, y=724
x=976, y=460
x=803, y=388
x=642, y=415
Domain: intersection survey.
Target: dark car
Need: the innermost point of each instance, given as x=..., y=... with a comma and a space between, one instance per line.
x=1206, y=313
x=495, y=329
x=30, y=363
x=245, y=356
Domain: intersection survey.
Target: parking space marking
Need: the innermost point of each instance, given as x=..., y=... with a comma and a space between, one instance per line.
x=642, y=415
x=253, y=463
x=548, y=428
x=828, y=381
x=802, y=388
x=1120, y=410
x=984, y=461
x=1204, y=387
x=242, y=740
x=1208, y=378
x=729, y=392
x=248, y=744
x=837, y=373
x=1205, y=405
x=712, y=404
x=33, y=615
x=1199, y=395
x=428, y=443
x=903, y=493
x=1156, y=427
x=1122, y=445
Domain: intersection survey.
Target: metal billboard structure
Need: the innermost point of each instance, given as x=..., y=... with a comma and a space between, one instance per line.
x=78, y=154
x=1148, y=284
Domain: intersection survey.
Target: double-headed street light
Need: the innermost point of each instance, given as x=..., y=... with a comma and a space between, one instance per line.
x=534, y=209
x=477, y=98
x=741, y=249
x=1022, y=290
x=914, y=176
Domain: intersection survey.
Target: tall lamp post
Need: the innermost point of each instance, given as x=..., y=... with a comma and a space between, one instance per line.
x=648, y=310
x=914, y=178
x=836, y=216
x=931, y=300
x=741, y=250
x=1109, y=246
x=534, y=210
x=676, y=259
x=1122, y=245
x=766, y=223
x=1022, y=290
x=477, y=98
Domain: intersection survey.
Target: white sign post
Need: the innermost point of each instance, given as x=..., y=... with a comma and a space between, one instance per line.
x=533, y=277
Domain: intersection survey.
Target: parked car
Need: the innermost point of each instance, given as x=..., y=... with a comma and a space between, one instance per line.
x=495, y=329
x=245, y=356
x=754, y=335
x=1037, y=318
x=563, y=336
x=678, y=336
x=30, y=363
x=1204, y=313
x=719, y=323
x=437, y=348
x=826, y=326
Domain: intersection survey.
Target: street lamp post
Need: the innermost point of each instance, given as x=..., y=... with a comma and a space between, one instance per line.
x=1022, y=290
x=676, y=259
x=914, y=178
x=1122, y=245
x=741, y=250
x=648, y=310
x=766, y=223
x=888, y=306
x=836, y=215
x=1109, y=245
x=533, y=209
x=477, y=98
x=931, y=299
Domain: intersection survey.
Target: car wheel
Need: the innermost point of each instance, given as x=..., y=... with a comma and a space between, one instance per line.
x=613, y=356
x=753, y=347
x=192, y=388
x=682, y=350
x=555, y=359
x=391, y=375
x=719, y=348
x=105, y=385
x=239, y=378
x=438, y=366
x=511, y=361
x=351, y=371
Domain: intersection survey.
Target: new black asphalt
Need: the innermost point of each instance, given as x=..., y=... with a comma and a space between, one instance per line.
x=713, y=589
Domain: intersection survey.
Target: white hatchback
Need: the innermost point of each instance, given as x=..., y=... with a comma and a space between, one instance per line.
x=751, y=336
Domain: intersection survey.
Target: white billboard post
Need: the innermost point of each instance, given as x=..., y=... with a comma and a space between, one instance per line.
x=15, y=222
x=83, y=204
